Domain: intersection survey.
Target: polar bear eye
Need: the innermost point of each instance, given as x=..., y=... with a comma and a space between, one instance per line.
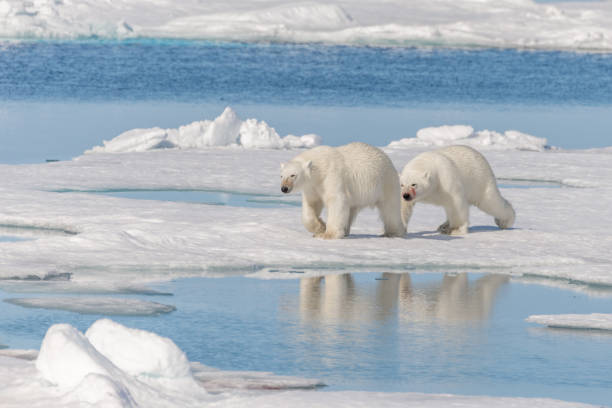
x=293, y=176
x=401, y=185
x=413, y=185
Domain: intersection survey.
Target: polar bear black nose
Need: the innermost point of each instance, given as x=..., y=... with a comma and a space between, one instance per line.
x=407, y=197
x=284, y=189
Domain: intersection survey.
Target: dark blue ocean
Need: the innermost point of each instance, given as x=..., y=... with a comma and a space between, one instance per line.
x=297, y=75
x=59, y=98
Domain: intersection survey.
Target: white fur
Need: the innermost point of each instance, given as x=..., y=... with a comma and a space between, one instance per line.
x=345, y=180
x=454, y=177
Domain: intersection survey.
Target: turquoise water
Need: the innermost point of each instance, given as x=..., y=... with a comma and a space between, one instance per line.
x=232, y=199
x=463, y=334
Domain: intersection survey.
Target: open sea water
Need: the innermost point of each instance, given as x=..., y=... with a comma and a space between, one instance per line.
x=58, y=99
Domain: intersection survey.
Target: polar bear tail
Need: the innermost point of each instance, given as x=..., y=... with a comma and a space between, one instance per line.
x=507, y=216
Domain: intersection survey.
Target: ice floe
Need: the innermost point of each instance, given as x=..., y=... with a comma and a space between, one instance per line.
x=115, y=366
x=483, y=139
x=597, y=321
x=559, y=231
x=96, y=305
x=580, y=25
x=225, y=130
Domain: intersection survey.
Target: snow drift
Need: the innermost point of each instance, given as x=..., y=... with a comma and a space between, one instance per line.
x=465, y=135
x=225, y=130
x=229, y=130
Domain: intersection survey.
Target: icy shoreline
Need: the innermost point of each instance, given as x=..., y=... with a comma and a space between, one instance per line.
x=525, y=24
x=594, y=321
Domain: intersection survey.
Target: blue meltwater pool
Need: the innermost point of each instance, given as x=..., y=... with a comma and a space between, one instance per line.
x=439, y=333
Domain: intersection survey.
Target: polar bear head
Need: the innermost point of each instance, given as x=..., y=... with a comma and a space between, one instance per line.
x=415, y=183
x=293, y=175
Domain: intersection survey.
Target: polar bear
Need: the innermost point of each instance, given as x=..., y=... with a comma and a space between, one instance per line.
x=345, y=180
x=454, y=177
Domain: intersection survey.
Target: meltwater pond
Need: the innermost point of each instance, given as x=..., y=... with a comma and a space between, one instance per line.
x=233, y=199
x=439, y=333
x=237, y=199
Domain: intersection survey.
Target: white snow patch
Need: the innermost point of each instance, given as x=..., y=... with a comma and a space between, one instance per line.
x=66, y=357
x=465, y=135
x=96, y=305
x=225, y=130
x=138, y=352
x=597, y=321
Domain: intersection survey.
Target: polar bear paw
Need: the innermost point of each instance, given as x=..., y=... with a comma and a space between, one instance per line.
x=444, y=228
x=448, y=230
x=393, y=234
x=503, y=224
x=329, y=235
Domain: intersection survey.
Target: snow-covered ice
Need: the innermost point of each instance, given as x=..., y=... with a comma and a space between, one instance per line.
x=229, y=130
x=115, y=366
x=597, y=321
x=96, y=305
x=561, y=232
x=225, y=130
x=576, y=25
x=465, y=135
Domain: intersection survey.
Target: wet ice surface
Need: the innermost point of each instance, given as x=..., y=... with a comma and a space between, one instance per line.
x=99, y=305
x=8, y=238
x=233, y=199
x=438, y=333
x=10, y=233
x=593, y=321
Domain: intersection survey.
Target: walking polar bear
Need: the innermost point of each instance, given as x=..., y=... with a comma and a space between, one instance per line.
x=345, y=180
x=454, y=177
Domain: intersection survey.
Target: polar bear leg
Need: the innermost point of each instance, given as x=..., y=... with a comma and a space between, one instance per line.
x=391, y=215
x=338, y=214
x=310, y=216
x=457, y=216
x=500, y=209
x=352, y=215
x=407, y=207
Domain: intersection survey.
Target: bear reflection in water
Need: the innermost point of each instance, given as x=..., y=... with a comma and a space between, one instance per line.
x=456, y=299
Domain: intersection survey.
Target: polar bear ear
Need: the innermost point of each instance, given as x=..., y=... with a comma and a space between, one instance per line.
x=307, y=166
x=282, y=166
